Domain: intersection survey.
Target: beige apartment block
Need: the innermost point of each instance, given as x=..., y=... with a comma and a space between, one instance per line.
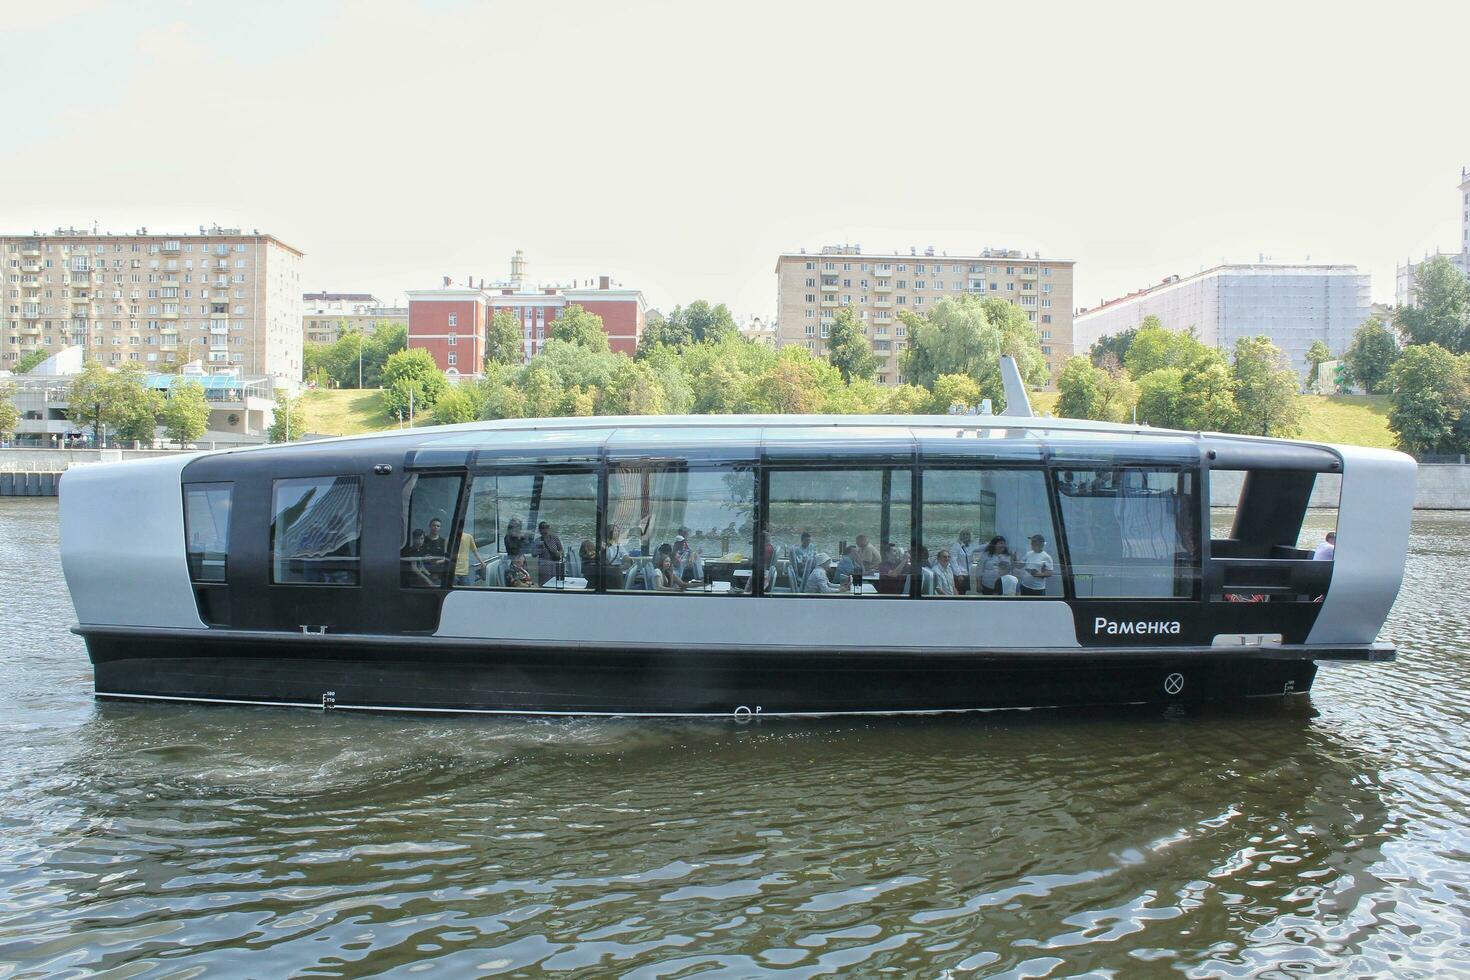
x=227, y=298
x=812, y=286
x=326, y=316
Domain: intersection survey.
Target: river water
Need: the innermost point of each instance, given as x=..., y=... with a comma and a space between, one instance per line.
x=1329, y=835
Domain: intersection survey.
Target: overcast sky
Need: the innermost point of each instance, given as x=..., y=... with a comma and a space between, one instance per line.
x=680, y=146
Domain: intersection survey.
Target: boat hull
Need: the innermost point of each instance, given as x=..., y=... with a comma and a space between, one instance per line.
x=417, y=674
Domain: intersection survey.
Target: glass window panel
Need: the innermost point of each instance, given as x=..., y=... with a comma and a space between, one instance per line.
x=979, y=526
x=207, y=529
x=679, y=529
x=316, y=530
x=1132, y=532
x=840, y=531
x=530, y=530
x=429, y=503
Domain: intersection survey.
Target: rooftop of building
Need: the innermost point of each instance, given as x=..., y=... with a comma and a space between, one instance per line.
x=325, y=297
x=1243, y=268
x=847, y=250
x=94, y=234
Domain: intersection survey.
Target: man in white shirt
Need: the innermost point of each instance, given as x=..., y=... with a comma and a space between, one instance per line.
x=1327, y=550
x=818, y=583
x=959, y=562
x=803, y=553
x=1036, y=568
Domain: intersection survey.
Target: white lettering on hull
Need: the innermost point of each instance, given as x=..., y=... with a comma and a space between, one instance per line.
x=1140, y=627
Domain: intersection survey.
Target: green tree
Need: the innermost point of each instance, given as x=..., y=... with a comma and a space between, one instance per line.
x=1114, y=346
x=463, y=402
x=185, y=412
x=1091, y=392
x=30, y=360
x=1371, y=355
x=697, y=323
x=905, y=399
x=1441, y=311
x=633, y=389
x=706, y=323
x=1079, y=388
x=505, y=343
x=289, y=421
x=1429, y=388
x=116, y=403
x=957, y=391
x=9, y=414
x=1161, y=398
x=1155, y=346
x=412, y=370
x=967, y=335
x=1200, y=397
x=577, y=326
x=1316, y=355
x=848, y=349
x=1266, y=393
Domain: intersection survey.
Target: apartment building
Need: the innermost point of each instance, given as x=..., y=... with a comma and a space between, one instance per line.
x=326, y=315
x=1404, y=289
x=812, y=287
x=451, y=322
x=228, y=298
x=1294, y=305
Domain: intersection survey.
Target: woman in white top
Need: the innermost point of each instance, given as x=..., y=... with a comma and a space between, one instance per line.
x=943, y=574
x=995, y=560
x=614, y=553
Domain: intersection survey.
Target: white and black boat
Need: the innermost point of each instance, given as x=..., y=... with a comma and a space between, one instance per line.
x=732, y=566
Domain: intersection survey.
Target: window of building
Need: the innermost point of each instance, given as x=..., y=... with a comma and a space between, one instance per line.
x=454, y=319
x=207, y=529
x=429, y=505
x=1132, y=532
x=979, y=526
x=451, y=359
x=833, y=532
x=453, y=339
x=316, y=530
x=680, y=529
x=525, y=529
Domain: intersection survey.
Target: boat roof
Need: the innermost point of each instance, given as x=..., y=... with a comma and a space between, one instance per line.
x=732, y=437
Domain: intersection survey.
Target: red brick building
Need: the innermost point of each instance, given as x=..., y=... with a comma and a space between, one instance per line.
x=451, y=322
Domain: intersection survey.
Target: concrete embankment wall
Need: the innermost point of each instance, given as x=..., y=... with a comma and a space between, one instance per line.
x=35, y=472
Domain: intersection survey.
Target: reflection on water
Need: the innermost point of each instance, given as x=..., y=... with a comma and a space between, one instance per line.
x=1322, y=836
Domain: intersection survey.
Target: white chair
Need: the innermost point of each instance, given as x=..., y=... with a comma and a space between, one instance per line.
x=1009, y=584
x=926, y=584
x=495, y=573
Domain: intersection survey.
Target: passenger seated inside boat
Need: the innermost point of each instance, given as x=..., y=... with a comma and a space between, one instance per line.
x=548, y=552
x=587, y=559
x=851, y=565
x=414, y=573
x=517, y=576
x=819, y=581
x=664, y=579
x=866, y=553
x=893, y=574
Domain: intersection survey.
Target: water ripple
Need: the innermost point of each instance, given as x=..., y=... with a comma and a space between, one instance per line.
x=1281, y=837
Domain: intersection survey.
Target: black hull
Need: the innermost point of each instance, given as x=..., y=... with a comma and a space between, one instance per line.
x=406, y=675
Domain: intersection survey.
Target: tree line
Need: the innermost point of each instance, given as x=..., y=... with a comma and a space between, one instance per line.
x=695, y=361
x=1420, y=363
x=1170, y=378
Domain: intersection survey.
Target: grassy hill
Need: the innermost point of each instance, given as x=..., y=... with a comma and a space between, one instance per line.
x=344, y=412
x=1351, y=419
